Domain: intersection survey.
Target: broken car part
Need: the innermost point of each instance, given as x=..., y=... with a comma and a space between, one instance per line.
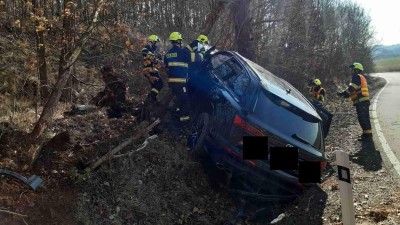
x=34, y=181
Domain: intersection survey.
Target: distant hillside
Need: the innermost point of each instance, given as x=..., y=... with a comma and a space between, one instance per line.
x=386, y=51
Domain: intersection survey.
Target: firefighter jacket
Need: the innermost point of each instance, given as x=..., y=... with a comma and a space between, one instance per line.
x=152, y=48
x=150, y=65
x=318, y=93
x=177, y=61
x=358, y=89
x=196, y=55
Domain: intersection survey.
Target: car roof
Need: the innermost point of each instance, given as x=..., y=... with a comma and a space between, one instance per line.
x=277, y=86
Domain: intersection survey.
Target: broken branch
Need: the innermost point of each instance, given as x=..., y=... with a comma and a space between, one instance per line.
x=144, y=145
x=110, y=154
x=13, y=213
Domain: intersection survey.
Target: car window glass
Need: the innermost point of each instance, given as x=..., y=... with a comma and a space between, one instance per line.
x=219, y=59
x=239, y=83
x=231, y=74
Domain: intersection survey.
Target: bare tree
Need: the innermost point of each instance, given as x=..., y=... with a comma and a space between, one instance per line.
x=67, y=59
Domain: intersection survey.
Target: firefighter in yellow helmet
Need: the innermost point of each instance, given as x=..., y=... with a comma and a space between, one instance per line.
x=358, y=92
x=197, y=46
x=177, y=61
x=317, y=92
x=151, y=66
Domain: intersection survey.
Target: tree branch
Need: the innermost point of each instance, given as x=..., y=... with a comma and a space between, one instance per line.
x=144, y=145
x=110, y=154
x=13, y=213
x=85, y=37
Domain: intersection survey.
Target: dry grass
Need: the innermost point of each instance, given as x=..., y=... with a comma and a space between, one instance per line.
x=387, y=65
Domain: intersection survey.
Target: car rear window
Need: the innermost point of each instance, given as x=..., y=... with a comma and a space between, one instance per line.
x=267, y=78
x=286, y=122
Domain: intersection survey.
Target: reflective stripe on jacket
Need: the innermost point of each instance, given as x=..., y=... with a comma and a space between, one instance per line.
x=195, y=54
x=177, y=61
x=150, y=64
x=361, y=91
x=318, y=93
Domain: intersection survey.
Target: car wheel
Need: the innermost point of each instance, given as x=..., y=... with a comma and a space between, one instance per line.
x=198, y=135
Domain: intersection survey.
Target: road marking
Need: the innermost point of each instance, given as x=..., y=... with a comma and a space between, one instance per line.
x=382, y=139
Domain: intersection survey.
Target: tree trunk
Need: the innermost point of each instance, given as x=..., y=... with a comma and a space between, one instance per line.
x=240, y=10
x=41, y=52
x=68, y=44
x=42, y=64
x=213, y=16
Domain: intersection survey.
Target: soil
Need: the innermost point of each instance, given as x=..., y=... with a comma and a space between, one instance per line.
x=161, y=184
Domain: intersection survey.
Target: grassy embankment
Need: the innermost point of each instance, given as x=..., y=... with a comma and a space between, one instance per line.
x=387, y=65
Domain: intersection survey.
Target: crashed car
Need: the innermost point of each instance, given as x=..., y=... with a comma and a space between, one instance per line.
x=234, y=97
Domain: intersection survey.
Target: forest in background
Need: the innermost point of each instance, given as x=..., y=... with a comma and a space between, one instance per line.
x=52, y=49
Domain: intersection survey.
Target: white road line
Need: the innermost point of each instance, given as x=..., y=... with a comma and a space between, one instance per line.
x=382, y=139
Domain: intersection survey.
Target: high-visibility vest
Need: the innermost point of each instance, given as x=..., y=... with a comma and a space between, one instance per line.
x=361, y=93
x=317, y=94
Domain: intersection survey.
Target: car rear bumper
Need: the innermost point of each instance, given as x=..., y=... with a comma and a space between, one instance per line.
x=257, y=173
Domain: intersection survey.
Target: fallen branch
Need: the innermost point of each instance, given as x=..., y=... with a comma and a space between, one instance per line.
x=144, y=145
x=13, y=213
x=110, y=154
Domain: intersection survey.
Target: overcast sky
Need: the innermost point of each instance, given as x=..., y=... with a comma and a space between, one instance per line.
x=385, y=16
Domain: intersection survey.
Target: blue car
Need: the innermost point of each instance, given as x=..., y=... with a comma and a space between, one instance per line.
x=233, y=97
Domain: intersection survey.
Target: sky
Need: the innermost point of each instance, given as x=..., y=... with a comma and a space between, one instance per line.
x=385, y=19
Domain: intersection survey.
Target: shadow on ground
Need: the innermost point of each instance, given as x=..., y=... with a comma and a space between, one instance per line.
x=260, y=207
x=368, y=157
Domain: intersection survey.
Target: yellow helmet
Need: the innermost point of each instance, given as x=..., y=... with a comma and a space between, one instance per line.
x=154, y=38
x=357, y=65
x=317, y=82
x=175, y=36
x=202, y=38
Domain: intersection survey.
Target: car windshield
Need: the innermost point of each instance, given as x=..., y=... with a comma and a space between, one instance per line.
x=286, y=120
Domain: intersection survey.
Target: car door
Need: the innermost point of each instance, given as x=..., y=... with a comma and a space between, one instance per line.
x=234, y=82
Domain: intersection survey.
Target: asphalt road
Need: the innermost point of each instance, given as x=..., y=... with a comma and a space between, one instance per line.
x=388, y=112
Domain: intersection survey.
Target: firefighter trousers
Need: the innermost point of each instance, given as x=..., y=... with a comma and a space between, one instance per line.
x=362, y=109
x=156, y=87
x=179, y=90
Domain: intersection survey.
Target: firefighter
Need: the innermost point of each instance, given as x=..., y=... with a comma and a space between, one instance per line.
x=150, y=71
x=176, y=61
x=317, y=98
x=152, y=45
x=358, y=92
x=197, y=46
x=317, y=92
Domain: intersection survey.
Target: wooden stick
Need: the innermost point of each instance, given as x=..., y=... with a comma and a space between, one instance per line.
x=110, y=154
x=13, y=213
x=144, y=144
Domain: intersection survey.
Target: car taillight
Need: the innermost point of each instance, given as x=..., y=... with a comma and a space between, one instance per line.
x=239, y=122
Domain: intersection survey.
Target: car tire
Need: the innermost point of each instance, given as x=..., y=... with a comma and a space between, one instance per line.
x=198, y=135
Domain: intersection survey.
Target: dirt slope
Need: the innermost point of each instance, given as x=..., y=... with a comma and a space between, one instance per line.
x=162, y=185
